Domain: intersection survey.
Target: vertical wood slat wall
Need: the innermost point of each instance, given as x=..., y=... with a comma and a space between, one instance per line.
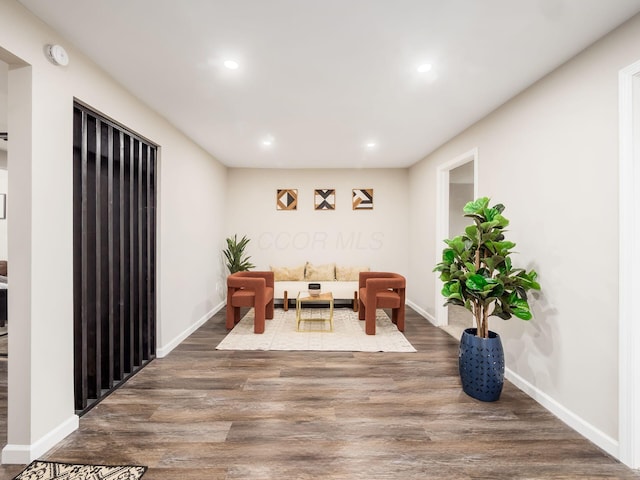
x=114, y=235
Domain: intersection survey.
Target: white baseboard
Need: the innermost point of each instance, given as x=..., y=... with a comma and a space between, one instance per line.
x=25, y=454
x=164, y=350
x=602, y=440
x=591, y=433
x=422, y=312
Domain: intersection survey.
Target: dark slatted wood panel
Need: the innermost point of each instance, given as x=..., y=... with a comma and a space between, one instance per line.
x=114, y=261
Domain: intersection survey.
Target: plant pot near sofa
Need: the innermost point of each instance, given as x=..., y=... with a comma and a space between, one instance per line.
x=481, y=365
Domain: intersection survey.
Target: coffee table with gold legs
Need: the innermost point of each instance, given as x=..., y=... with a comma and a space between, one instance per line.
x=304, y=298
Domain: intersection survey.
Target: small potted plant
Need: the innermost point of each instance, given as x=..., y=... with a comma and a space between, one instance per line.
x=478, y=274
x=234, y=253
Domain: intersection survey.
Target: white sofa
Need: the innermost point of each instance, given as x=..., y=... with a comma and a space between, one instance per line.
x=341, y=281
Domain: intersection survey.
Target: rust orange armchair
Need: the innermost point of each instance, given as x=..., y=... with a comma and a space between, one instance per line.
x=250, y=289
x=381, y=290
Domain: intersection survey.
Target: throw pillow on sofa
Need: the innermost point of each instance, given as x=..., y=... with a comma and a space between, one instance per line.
x=349, y=274
x=319, y=273
x=288, y=274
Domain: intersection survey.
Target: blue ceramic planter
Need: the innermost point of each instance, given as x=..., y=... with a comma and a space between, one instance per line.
x=481, y=363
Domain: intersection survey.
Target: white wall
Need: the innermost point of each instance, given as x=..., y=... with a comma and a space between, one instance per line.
x=3, y=190
x=459, y=195
x=191, y=213
x=375, y=238
x=550, y=155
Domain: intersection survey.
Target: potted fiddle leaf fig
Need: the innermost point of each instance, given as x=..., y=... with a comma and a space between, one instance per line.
x=478, y=274
x=234, y=253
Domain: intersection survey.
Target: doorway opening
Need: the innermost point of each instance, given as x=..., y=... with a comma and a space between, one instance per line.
x=456, y=185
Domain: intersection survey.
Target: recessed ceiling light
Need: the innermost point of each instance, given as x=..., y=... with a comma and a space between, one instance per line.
x=370, y=145
x=425, y=67
x=231, y=64
x=268, y=141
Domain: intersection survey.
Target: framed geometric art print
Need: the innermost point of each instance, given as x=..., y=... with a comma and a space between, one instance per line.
x=287, y=199
x=362, y=198
x=324, y=199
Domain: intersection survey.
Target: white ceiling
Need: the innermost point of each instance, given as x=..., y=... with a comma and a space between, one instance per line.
x=324, y=77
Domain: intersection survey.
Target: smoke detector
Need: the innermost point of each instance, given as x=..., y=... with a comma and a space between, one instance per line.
x=57, y=55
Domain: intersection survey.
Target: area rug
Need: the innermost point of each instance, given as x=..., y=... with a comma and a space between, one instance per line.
x=67, y=471
x=348, y=334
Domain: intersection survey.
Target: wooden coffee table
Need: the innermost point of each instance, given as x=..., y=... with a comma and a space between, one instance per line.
x=304, y=298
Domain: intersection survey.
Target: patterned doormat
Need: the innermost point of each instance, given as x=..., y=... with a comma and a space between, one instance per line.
x=68, y=471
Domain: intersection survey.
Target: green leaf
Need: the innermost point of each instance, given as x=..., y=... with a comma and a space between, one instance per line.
x=495, y=287
x=476, y=282
x=507, y=262
x=520, y=308
x=477, y=206
x=500, y=313
x=490, y=214
x=501, y=248
x=458, y=245
x=470, y=267
x=472, y=232
x=487, y=226
x=450, y=288
x=491, y=264
x=494, y=262
x=527, y=280
x=454, y=301
x=502, y=221
x=448, y=255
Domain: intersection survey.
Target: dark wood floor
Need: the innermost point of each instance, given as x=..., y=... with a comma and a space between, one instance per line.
x=206, y=414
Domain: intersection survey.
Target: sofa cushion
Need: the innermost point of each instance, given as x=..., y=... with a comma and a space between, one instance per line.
x=325, y=272
x=286, y=274
x=349, y=274
x=340, y=290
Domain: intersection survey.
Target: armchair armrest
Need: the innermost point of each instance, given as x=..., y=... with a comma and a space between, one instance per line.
x=246, y=282
x=397, y=281
x=375, y=285
x=265, y=276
